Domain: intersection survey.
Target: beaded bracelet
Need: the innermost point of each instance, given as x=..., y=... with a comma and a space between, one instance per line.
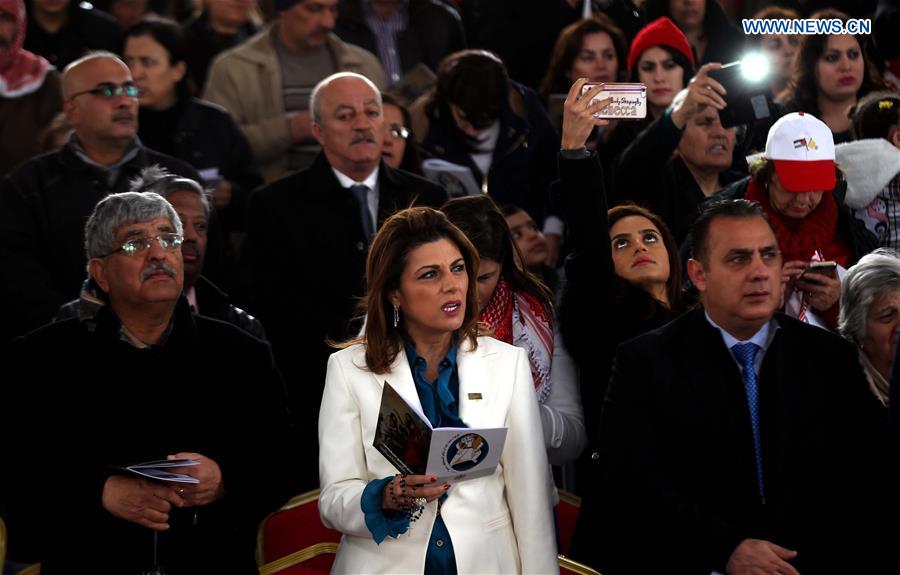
x=413, y=507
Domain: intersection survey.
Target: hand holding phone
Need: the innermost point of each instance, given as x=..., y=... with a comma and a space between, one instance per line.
x=828, y=269
x=627, y=101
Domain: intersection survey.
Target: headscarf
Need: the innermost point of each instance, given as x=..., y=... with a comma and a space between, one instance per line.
x=21, y=72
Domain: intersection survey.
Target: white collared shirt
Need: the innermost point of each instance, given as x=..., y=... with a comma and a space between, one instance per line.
x=762, y=338
x=370, y=182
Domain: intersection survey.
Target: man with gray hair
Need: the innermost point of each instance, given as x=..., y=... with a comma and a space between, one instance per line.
x=160, y=384
x=192, y=205
x=308, y=236
x=45, y=202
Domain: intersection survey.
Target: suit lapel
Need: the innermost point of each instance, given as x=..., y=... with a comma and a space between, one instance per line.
x=476, y=394
x=387, y=194
x=400, y=378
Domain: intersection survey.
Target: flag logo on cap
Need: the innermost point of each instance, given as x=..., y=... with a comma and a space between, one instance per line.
x=802, y=143
x=802, y=149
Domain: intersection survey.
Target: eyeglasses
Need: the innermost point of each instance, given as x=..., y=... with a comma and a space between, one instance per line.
x=109, y=91
x=169, y=242
x=399, y=131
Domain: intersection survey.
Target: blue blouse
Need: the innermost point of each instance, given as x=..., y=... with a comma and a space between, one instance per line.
x=441, y=407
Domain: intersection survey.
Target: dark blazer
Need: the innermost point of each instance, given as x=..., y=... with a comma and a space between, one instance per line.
x=679, y=488
x=307, y=256
x=433, y=31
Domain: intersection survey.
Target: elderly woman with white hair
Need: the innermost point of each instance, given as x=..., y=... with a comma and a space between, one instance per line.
x=870, y=315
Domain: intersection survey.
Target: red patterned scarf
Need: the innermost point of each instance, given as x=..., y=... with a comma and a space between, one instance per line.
x=21, y=72
x=521, y=319
x=799, y=239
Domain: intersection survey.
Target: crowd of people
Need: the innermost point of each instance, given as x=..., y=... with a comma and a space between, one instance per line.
x=224, y=229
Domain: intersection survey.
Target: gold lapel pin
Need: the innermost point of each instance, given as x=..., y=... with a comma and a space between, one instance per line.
x=474, y=396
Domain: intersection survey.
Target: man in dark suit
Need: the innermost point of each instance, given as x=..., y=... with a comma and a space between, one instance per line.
x=309, y=235
x=734, y=439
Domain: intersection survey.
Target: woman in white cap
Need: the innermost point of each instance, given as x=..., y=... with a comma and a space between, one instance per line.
x=795, y=181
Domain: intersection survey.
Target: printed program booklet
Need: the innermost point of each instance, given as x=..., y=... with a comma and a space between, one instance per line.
x=406, y=439
x=456, y=179
x=164, y=470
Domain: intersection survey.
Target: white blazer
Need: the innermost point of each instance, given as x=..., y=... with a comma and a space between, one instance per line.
x=501, y=523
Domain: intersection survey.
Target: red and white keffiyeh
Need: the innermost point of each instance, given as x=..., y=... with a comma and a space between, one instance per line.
x=521, y=319
x=21, y=72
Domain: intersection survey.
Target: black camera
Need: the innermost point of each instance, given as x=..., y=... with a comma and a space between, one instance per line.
x=748, y=96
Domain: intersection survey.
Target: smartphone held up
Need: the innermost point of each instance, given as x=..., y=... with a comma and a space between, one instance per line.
x=626, y=101
x=820, y=268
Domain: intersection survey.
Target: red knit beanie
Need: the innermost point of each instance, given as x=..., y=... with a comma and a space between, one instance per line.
x=660, y=32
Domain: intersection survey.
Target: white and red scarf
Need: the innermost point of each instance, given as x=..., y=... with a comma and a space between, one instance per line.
x=21, y=72
x=521, y=319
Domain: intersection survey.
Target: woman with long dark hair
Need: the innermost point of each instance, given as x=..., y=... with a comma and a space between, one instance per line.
x=830, y=74
x=623, y=278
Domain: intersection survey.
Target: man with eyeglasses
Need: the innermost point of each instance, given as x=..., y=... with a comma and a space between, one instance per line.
x=309, y=234
x=157, y=383
x=193, y=207
x=45, y=201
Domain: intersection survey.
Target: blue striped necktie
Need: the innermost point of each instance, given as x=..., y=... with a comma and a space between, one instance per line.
x=746, y=355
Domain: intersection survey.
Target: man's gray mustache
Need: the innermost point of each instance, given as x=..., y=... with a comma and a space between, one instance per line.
x=156, y=268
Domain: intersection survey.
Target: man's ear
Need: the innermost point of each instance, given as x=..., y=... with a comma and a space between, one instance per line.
x=97, y=269
x=317, y=132
x=69, y=109
x=697, y=274
x=180, y=71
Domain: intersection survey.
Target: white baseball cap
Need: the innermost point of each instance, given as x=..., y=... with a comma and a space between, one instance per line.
x=802, y=148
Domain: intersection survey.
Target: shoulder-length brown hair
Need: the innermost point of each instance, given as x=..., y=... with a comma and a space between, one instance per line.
x=398, y=237
x=801, y=93
x=568, y=45
x=673, y=284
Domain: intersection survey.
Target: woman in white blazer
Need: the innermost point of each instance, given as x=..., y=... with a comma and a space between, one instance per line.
x=421, y=337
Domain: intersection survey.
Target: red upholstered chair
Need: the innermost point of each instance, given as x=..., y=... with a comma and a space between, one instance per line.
x=293, y=541
x=569, y=567
x=566, y=514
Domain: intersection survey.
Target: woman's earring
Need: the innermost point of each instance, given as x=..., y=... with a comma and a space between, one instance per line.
x=396, y=315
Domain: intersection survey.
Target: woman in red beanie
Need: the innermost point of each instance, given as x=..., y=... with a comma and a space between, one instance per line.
x=661, y=58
